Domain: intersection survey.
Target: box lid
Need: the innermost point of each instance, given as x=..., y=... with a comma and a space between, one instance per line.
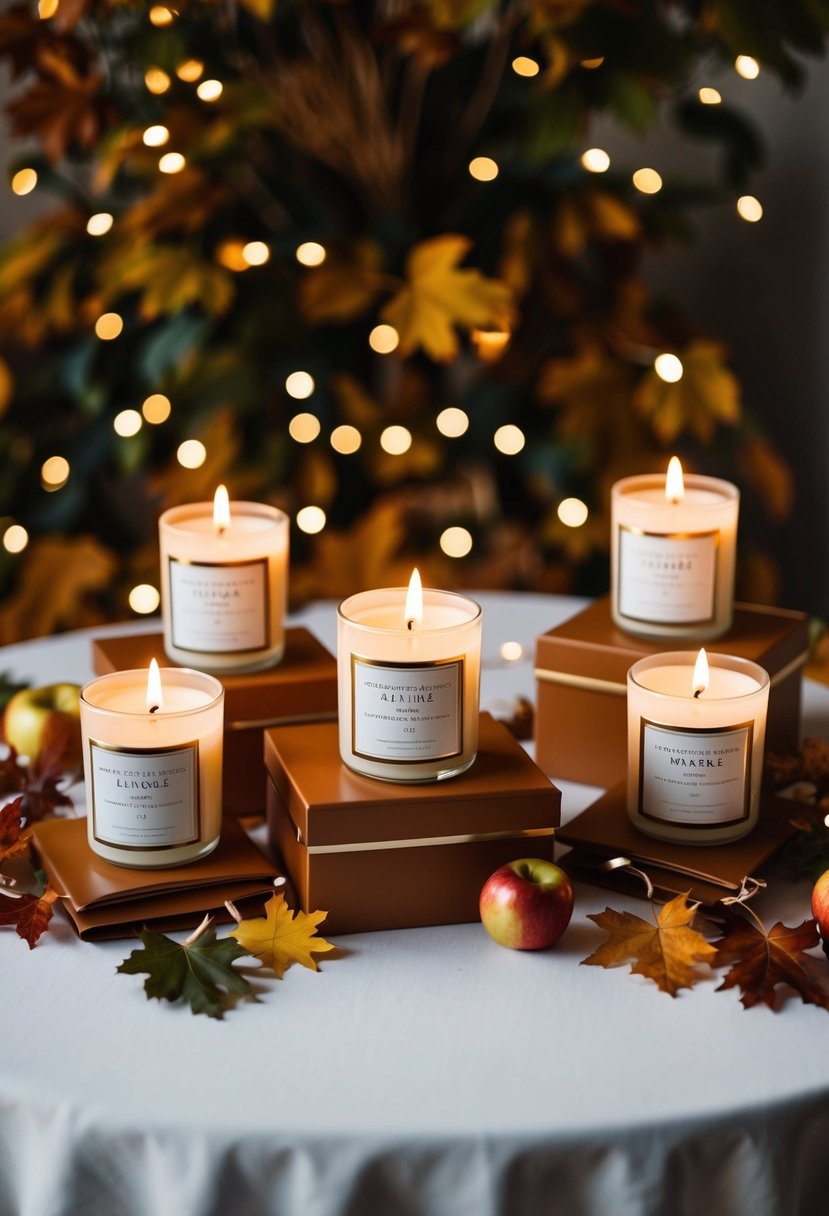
x=592, y=649
x=303, y=685
x=503, y=792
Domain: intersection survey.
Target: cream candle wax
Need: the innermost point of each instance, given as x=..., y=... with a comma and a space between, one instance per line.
x=673, y=551
x=224, y=580
x=152, y=751
x=696, y=729
x=408, y=677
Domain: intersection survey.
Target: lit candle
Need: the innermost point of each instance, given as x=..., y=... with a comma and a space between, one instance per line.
x=409, y=665
x=696, y=728
x=224, y=581
x=673, y=549
x=152, y=750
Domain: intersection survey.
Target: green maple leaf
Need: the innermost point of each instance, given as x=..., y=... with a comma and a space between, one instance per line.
x=198, y=971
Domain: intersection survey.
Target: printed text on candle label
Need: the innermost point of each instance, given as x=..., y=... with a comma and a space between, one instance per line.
x=145, y=800
x=219, y=609
x=700, y=779
x=668, y=580
x=410, y=713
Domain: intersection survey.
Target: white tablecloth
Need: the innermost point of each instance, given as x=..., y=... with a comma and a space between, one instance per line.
x=424, y=1073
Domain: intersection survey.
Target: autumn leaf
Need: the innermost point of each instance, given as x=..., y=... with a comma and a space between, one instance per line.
x=344, y=286
x=61, y=108
x=198, y=971
x=282, y=937
x=438, y=296
x=770, y=475
x=263, y=10
x=13, y=774
x=666, y=952
x=29, y=914
x=707, y=395
x=169, y=278
x=14, y=838
x=59, y=572
x=760, y=961
x=41, y=796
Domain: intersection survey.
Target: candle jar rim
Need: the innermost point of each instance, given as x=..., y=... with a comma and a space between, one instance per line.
x=627, y=486
x=687, y=658
x=175, y=516
x=210, y=684
x=422, y=630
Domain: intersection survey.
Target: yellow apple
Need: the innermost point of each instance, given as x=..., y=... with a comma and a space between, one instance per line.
x=45, y=722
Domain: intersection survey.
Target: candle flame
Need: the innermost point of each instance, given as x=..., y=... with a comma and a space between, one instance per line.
x=701, y=676
x=221, y=509
x=414, y=600
x=674, y=483
x=155, y=700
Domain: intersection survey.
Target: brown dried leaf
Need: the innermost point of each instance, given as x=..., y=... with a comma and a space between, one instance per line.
x=760, y=961
x=29, y=914
x=14, y=838
x=61, y=108
x=666, y=952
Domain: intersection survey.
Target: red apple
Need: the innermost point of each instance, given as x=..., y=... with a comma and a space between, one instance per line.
x=527, y=904
x=45, y=723
x=820, y=907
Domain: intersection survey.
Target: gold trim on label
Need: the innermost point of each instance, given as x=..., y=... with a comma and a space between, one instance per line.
x=459, y=661
x=676, y=536
x=251, y=650
x=192, y=747
x=746, y=728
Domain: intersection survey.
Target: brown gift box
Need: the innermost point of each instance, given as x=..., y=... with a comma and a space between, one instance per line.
x=581, y=672
x=709, y=872
x=302, y=688
x=103, y=900
x=382, y=855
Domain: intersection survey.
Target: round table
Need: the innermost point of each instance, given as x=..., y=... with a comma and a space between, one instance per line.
x=423, y=1072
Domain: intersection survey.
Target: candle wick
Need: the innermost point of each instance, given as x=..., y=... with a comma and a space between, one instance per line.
x=410, y=623
x=697, y=691
x=154, y=709
x=221, y=529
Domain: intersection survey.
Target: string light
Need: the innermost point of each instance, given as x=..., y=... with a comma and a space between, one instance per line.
x=156, y=409
x=108, y=326
x=99, y=224
x=384, y=339
x=156, y=80
x=648, y=181
x=522, y=65
x=452, y=422
x=127, y=423
x=24, y=181
x=747, y=67
x=749, y=208
x=595, y=160
x=190, y=70
x=304, y=428
x=54, y=473
x=144, y=598
x=230, y=254
x=256, y=253
x=456, y=542
x=668, y=368
x=171, y=162
x=710, y=97
x=47, y=8
x=210, y=90
x=15, y=538
x=299, y=385
x=572, y=512
x=490, y=343
x=311, y=253
x=346, y=440
x=483, y=168
x=161, y=16
x=156, y=136
x=592, y=64
x=396, y=440
x=509, y=439
x=310, y=519
x=511, y=652
x=191, y=454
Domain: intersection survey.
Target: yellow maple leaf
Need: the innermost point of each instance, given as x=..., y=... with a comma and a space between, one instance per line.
x=263, y=9
x=58, y=574
x=169, y=277
x=282, y=937
x=707, y=394
x=344, y=286
x=666, y=952
x=438, y=296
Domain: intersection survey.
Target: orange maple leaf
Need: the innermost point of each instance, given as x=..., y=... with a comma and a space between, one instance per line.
x=30, y=914
x=14, y=838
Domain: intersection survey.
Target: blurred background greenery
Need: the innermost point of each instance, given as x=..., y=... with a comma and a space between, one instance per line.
x=380, y=264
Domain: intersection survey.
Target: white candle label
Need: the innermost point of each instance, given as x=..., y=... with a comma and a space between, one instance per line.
x=696, y=778
x=145, y=799
x=219, y=609
x=407, y=713
x=667, y=579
